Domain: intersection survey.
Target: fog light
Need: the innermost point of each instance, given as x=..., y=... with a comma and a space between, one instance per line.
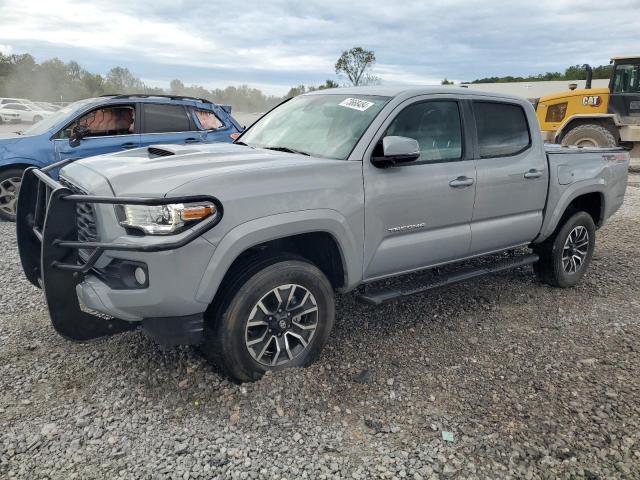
x=141, y=276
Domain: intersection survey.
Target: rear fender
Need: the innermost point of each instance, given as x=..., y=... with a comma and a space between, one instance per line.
x=553, y=217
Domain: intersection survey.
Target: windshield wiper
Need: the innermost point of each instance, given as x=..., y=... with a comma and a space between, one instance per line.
x=241, y=143
x=287, y=149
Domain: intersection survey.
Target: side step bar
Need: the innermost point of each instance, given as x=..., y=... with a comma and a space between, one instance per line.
x=378, y=296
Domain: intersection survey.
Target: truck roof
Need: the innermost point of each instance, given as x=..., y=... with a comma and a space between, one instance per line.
x=410, y=91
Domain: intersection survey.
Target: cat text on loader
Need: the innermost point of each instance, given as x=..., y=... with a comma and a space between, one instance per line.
x=596, y=117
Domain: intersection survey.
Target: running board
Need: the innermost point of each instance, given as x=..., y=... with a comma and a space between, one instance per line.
x=378, y=296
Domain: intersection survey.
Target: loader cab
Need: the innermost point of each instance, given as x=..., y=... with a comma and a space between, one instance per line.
x=624, y=99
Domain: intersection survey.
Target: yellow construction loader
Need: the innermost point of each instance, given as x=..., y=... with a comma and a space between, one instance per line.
x=596, y=117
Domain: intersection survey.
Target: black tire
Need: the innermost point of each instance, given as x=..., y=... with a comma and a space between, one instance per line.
x=8, y=192
x=36, y=119
x=550, y=268
x=227, y=332
x=590, y=135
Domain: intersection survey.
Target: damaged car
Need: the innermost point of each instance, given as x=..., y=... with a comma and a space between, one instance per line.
x=108, y=124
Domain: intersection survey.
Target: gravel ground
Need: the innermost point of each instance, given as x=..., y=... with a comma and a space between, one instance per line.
x=530, y=381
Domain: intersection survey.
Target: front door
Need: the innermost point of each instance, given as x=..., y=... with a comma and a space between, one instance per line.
x=625, y=91
x=418, y=214
x=111, y=129
x=512, y=177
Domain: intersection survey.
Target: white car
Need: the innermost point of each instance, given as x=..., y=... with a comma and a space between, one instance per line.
x=5, y=100
x=22, y=112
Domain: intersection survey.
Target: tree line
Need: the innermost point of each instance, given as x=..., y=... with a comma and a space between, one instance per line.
x=574, y=72
x=56, y=81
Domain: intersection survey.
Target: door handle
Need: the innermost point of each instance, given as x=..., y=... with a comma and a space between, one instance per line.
x=461, y=182
x=533, y=173
x=128, y=145
x=192, y=140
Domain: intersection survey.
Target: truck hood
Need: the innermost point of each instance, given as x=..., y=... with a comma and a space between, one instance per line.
x=159, y=169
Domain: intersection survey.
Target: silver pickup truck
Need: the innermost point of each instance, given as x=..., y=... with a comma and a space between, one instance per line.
x=238, y=248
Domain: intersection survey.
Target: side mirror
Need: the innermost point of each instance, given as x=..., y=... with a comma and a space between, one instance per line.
x=77, y=134
x=397, y=150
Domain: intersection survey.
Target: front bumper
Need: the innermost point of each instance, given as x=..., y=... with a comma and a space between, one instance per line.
x=47, y=232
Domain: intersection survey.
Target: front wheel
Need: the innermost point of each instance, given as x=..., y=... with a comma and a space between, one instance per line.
x=566, y=255
x=274, y=314
x=37, y=118
x=10, y=180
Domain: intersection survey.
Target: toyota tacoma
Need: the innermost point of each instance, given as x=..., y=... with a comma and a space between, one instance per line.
x=239, y=248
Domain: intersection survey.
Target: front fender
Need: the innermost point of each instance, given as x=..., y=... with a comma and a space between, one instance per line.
x=283, y=225
x=14, y=161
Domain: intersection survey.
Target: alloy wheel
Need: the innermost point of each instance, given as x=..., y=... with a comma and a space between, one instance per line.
x=281, y=325
x=575, y=249
x=9, y=188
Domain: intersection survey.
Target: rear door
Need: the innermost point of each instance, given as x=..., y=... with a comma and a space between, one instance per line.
x=167, y=123
x=418, y=214
x=512, y=176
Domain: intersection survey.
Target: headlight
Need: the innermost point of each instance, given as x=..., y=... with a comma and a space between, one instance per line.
x=163, y=219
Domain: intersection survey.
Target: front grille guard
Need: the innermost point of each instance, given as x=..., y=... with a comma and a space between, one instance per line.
x=48, y=243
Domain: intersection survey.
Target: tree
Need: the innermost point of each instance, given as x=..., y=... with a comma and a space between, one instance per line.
x=446, y=82
x=295, y=91
x=355, y=64
x=328, y=84
x=176, y=87
x=121, y=80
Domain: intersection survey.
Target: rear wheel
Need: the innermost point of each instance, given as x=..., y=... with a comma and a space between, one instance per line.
x=589, y=135
x=566, y=255
x=276, y=313
x=9, y=187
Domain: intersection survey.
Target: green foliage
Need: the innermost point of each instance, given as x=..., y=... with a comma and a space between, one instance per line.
x=355, y=64
x=574, y=72
x=53, y=80
x=446, y=82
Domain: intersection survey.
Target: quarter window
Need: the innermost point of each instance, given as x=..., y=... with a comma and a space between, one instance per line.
x=207, y=119
x=435, y=126
x=502, y=129
x=165, y=118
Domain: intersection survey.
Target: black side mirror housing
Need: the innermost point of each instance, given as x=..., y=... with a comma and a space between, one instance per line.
x=397, y=150
x=77, y=134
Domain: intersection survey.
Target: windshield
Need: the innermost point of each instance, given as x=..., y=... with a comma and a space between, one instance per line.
x=44, y=125
x=320, y=125
x=627, y=79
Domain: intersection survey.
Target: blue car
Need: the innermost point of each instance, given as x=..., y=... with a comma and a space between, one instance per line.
x=112, y=123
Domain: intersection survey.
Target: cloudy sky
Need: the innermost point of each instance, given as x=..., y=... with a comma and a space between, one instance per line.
x=279, y=43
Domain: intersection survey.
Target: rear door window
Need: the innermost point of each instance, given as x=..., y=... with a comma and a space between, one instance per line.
x=160, y=118
x=502, y=129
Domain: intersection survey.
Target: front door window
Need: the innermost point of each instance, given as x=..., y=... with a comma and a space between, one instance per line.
x=104, y=122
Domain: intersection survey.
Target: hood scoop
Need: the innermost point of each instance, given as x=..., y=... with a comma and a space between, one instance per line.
x=155, y=152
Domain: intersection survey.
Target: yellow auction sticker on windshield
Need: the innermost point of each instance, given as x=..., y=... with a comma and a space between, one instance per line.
x=356, y=104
